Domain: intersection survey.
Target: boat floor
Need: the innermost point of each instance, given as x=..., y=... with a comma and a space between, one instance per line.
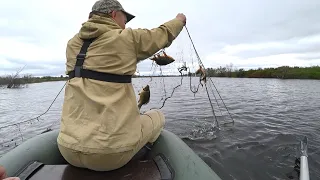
x=136, y=170
x=139, y=168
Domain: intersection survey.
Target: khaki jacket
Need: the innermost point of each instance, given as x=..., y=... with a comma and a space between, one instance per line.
x=103, y=117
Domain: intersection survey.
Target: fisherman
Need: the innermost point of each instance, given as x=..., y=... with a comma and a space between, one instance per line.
x=101, y=126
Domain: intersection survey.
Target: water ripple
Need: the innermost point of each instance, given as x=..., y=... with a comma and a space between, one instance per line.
x=271, y=117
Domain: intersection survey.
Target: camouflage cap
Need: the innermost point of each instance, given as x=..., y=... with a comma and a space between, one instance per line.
x=107, y=6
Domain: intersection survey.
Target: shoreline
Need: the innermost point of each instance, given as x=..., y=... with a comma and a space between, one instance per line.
x=283, y=72
x=65, y=79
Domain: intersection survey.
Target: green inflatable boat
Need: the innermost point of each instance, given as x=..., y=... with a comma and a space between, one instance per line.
x=169, y=159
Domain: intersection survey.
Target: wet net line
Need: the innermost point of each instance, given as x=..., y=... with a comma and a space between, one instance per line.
x=166, y=98
x=214, y=114
x=35, y=118
x=200, y=63
x=196, y=89
x=5, y=143
x=221, y=99
x=30, y=121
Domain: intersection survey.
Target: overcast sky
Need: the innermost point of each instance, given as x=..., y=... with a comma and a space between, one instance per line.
x=246, y=33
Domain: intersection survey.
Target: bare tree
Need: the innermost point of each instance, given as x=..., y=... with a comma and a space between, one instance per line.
x=12, y=82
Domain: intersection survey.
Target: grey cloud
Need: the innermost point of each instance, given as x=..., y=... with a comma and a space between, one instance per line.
x=310, y=56
x=289, y=47
x=52, y=72
x=252, y=21
x=232, y=22
x=212, y=24
x=33, y=71
x=35, y=68
x=37, y=64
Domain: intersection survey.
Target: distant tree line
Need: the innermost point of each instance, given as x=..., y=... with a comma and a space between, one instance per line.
x=283, y=72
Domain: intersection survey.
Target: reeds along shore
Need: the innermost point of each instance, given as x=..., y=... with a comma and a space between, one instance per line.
x=10, y=81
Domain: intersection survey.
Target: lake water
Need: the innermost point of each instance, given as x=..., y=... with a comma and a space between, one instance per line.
x=270, y=117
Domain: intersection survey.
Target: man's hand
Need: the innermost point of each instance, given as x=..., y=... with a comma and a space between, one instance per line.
x=182, y=18
x=3, y=175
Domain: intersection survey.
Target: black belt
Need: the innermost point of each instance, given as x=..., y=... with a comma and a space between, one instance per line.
x=86, y=73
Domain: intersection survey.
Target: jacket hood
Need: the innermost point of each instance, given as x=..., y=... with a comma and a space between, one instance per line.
x=96, y=26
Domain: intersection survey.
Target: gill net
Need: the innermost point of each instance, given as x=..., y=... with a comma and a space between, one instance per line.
x=182, y=92
x=185, y=97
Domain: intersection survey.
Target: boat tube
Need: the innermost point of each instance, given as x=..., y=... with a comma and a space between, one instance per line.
x=168, y=159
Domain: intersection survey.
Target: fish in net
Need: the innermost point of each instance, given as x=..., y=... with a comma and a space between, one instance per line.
x=177, y=74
